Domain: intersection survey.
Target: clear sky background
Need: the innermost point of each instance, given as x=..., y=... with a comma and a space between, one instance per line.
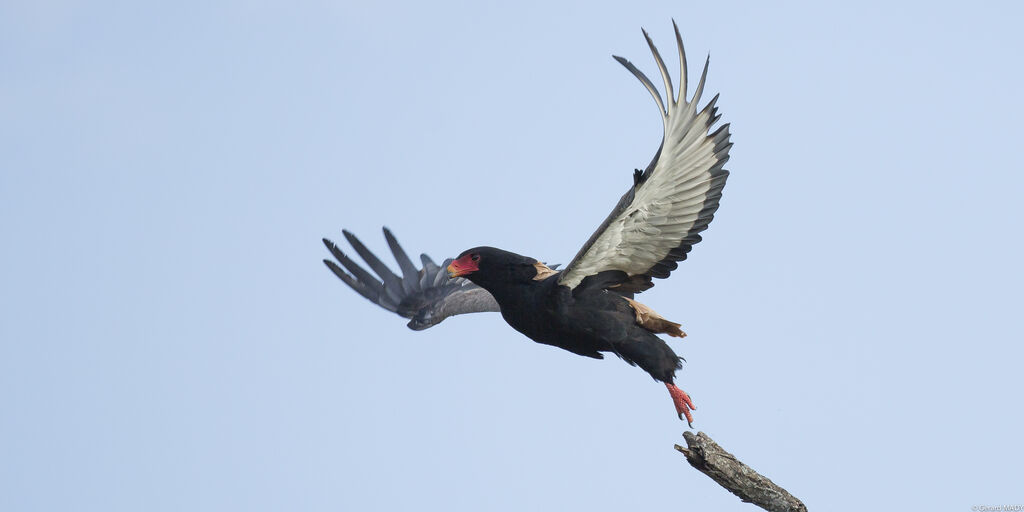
x=170, y=340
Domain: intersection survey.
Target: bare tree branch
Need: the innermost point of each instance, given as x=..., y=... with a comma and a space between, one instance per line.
x=738, y=478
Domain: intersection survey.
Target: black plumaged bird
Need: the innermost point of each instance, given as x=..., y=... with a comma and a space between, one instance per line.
x=588, y=307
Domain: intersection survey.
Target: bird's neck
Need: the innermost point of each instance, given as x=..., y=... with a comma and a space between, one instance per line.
x=513, y=293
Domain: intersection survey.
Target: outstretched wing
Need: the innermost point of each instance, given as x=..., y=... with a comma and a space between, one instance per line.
x=657, y=221
x=426, y=296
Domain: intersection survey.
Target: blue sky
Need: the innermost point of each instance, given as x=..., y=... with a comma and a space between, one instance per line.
x=169, y=339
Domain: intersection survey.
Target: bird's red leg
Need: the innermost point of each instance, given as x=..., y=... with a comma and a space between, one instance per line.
x=682, y=402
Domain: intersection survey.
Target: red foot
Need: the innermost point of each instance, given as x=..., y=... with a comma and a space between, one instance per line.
x=682, y=402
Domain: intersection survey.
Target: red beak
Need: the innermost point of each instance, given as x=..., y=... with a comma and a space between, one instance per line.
x=462, y=266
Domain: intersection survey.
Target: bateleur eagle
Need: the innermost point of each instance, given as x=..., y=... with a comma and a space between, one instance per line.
x=587, y=308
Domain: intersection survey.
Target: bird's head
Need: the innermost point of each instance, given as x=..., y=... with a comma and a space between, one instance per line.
x=487, y=266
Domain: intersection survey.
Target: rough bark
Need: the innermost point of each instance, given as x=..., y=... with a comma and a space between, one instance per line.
x=738, y=478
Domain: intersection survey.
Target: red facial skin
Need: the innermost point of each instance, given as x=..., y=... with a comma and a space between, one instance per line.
x=463, y=266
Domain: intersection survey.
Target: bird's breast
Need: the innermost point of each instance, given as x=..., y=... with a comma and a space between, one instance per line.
x=535, y=312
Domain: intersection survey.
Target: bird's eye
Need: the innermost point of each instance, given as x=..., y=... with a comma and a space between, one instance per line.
x=475, y=257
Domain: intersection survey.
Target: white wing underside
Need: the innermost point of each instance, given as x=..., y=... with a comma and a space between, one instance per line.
x=672, y=199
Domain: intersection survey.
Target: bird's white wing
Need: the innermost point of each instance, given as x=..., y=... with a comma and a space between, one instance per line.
x=659, y=219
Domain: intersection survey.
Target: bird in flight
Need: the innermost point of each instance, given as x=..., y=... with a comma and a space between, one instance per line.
x=588, y=307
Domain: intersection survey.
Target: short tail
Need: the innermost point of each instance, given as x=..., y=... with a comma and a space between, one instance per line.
x=650, y=353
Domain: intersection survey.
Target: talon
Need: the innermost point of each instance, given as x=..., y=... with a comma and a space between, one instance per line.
x=682, y=402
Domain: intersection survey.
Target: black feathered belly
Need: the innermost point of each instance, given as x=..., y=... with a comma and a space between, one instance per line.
x=593, y=325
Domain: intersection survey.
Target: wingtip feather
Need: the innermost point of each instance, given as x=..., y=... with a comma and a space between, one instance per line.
x=645, y=81
x=703, y=77
x=664, y=73
x=681, y=95
x=410, y=274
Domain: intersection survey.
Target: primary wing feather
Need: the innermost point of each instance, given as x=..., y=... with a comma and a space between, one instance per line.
x=659, y=219
x=426, y=296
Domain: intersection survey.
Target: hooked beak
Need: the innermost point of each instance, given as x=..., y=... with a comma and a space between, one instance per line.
x=462, y=266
